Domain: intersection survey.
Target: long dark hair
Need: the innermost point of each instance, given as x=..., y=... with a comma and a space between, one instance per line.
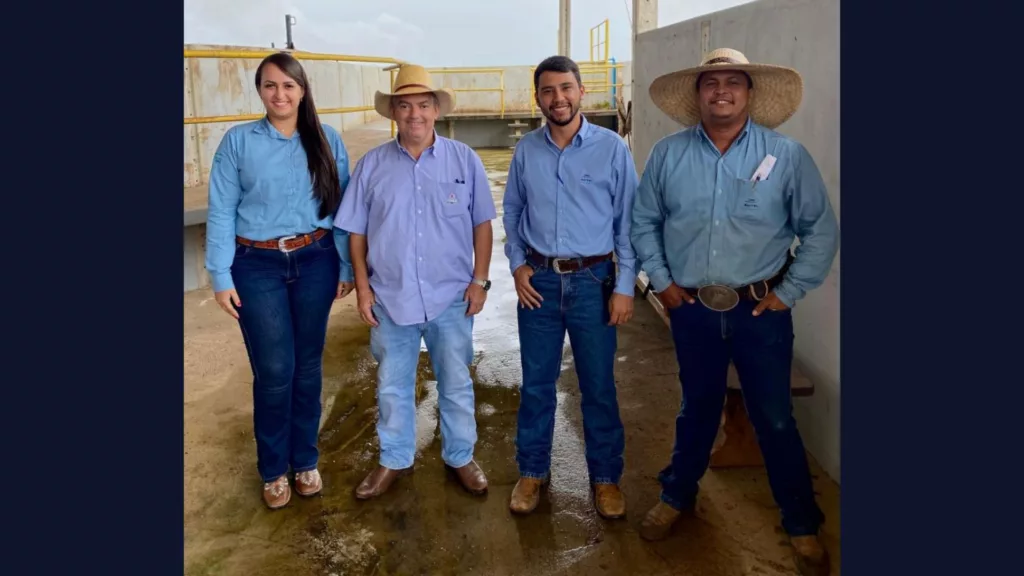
x=322, y=169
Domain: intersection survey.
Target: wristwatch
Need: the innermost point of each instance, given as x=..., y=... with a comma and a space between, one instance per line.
x=485, y=284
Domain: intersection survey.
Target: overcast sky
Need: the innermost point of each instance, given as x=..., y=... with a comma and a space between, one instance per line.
x=439, y=33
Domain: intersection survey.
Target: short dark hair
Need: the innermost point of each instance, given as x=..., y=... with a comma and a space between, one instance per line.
x=556, y=64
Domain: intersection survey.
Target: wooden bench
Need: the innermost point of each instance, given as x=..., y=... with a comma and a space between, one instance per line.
x=736, y=444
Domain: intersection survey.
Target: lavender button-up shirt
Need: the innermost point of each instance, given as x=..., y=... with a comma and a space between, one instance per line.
x=418, y=218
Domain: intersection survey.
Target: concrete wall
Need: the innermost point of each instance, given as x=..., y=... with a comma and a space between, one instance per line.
x=222, y=87
x=803, y=34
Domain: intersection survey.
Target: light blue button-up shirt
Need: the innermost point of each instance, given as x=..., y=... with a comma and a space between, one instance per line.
x=698, y=218
x=260, y=189
x=574, y=202
x=418, y=217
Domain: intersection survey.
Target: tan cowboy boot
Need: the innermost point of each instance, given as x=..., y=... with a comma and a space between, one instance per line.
x=308, y=483
x=810, y=556
x=659, y=521
x=472, y=478
x=609, y=501
x=526, y=495
x=378, y=481
x=276, y=494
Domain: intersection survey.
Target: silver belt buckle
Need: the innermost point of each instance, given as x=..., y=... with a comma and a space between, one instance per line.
x=718, y=297
x=555, y=266
x=282, y=240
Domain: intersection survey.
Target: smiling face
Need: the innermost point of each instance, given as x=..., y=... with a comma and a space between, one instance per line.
x=280, y=93
x=723, y=96
x=415, y=116
x=558, y=96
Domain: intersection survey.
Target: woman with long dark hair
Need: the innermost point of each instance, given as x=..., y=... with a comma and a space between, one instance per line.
x=277, y=264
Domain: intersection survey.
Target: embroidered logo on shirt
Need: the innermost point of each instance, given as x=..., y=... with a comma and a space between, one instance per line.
x=452, y=199
x=585, y=179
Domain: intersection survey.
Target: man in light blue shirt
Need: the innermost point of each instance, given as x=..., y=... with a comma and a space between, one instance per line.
x=567, y=209
x=718, y=208
x=419, y=211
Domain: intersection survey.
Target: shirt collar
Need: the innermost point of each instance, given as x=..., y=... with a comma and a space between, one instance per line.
x=432, y=149
x=265, y=127
x=747, y=127
x=582, y=134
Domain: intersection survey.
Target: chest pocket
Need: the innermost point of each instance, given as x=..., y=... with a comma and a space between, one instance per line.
x=763, y=202
x=453, y=198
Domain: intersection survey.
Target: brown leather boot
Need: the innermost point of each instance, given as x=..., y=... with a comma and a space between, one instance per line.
x=810, y=556
x=308, y=483
x=526, y=495
x=278, y=493
x=378, y=481
x=472, y=478
x=609, y=501
x=658, y=522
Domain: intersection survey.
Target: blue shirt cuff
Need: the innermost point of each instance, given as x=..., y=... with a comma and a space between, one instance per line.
x=222, y=281
x=346, y=274
x=660, y=280
x=785, y=295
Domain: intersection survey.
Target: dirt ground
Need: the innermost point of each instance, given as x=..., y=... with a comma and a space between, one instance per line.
x=426, y=524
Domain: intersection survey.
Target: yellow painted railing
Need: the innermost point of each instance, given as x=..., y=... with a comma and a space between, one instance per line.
x=500, y=89
x=260, y=54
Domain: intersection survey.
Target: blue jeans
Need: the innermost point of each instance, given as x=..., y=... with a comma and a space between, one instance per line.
x=286, y=299
x=762, y=350
x=577, y=303
x=449, y=340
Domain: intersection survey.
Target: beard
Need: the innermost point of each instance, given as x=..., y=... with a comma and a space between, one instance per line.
x=573, y=110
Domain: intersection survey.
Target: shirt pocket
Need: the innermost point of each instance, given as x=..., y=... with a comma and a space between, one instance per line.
x=762, y=203
x=454, y=199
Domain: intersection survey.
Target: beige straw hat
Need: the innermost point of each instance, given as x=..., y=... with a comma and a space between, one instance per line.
x=412, y=79
x=776, y=95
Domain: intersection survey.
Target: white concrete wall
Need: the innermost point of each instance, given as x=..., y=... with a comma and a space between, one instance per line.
x=222, y=87
x=803, y=34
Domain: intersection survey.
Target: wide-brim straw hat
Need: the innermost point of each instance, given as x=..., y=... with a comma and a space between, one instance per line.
x=776, y=96
x=412, y=79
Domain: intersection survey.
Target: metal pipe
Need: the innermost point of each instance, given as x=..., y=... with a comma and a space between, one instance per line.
x=259, y=54
x=289, y=21
x=247, y=117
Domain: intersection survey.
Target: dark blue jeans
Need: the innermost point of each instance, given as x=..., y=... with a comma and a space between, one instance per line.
x=762, y=349
x=576, y=303
x=286, y=299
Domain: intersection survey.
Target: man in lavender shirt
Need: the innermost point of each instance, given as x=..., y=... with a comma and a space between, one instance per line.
x=418, y=210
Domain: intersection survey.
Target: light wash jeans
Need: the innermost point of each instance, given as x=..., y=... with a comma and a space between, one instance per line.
x=449, y=340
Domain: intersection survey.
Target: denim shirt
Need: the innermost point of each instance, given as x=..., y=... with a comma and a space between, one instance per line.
x=574, y=202
x=698, y=219
x=260, y=188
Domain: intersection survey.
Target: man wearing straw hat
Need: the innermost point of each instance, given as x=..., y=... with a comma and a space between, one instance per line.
x=717, y=210
x=419, y=213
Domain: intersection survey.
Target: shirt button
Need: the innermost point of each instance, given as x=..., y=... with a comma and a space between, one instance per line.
x=419, y=187
x=716, y=222
x=419, y=211
x=420, y=234
x=719, y=191
x=714, y=252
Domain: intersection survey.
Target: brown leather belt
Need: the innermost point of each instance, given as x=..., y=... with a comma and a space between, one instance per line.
x=564, y=265
x=285, y=243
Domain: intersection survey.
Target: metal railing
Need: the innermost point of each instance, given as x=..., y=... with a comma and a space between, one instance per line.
x=299, y=55
x=500, y=89
x=595, y=47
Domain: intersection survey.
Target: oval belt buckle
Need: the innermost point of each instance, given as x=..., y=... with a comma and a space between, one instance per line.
x=718, y=297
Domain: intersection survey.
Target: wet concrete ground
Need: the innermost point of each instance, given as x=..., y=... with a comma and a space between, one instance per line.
x=426, y=523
